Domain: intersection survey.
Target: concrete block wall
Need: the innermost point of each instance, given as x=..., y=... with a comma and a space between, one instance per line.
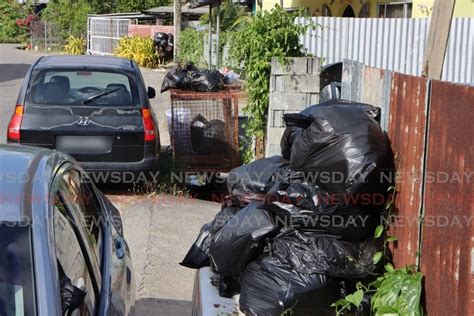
x=294, y=86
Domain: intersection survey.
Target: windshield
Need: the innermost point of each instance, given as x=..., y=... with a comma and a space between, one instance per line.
x=82, y=87
x=16, y=271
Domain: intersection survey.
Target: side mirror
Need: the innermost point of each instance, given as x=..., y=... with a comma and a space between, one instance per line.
x=151, y=93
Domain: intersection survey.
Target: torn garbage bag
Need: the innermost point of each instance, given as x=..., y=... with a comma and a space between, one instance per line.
x=344, y=150
x=240, y=240
x=256, y=176
x=197, y=257
x=269, y=287
x=308, y=252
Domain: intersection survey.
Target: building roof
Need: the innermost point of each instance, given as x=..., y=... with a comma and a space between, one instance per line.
x=186, y=11
x=125, y=15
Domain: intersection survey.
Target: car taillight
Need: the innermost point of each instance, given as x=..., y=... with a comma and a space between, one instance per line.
x=15, y=124
x=148, y=125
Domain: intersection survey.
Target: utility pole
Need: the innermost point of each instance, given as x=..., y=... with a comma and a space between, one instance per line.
x=438, y=36
x=177, y=27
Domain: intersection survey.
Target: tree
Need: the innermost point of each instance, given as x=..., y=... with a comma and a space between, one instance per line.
x=138, y=5
x=70, y=16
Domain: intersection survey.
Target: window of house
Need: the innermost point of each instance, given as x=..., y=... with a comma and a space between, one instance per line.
x=326, y=11
x=395, y=10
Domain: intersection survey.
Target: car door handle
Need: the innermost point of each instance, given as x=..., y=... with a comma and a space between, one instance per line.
x=119, y=247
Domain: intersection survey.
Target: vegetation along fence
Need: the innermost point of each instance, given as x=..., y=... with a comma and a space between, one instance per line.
x=394, y=44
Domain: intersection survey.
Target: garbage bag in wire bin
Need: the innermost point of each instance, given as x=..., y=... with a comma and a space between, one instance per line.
x=240, y=240
x=269, y=287
x=208, y=137
x=179, y=128
x=344, y=149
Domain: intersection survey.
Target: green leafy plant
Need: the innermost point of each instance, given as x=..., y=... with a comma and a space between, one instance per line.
x=75, y=46
x=11, y=13
x=70, y=16
x=139, y=49
x=257, y=40
x=230, y=16
x=396, y=291
x=191, y=47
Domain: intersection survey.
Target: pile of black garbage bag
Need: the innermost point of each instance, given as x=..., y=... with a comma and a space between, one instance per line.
x=189, y=77
x=294, y=222
x=163, y=44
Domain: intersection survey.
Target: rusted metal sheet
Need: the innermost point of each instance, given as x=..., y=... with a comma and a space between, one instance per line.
x=447, y=250
x=407, y=128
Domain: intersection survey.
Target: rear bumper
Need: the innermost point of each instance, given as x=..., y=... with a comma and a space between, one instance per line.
x=122, y=172
x=149, y=163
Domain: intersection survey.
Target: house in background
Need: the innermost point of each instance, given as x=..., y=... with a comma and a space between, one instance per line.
x=369, y=8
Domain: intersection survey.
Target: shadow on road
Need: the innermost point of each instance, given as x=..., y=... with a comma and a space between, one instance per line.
x=12, y=71
x=154, y=306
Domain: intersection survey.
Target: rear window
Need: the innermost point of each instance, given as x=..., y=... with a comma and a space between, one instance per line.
x=16, y=270
x=82, y=87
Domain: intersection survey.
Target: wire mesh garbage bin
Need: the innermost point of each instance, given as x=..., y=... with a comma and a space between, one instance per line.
x=204, y=129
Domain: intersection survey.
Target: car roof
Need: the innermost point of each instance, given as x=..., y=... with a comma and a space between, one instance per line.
x=107, y=62
x=25, y=176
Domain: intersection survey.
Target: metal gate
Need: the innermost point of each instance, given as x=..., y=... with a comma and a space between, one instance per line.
x=104, y=33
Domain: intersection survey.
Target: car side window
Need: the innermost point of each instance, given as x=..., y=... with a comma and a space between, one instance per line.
x=77, y=291
x=85, y=200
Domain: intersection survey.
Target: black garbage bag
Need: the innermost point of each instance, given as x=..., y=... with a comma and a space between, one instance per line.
x=225, y=214
x=176, y=78
x=170, y=39
x=295, y=124
x=198, y=125
x=208, y=137
x=207, y=81
x=197, y=256
x=307, y=207
x=72, y=297
x=371, y=110
x=160, y=39
x=240, y=240
x=344, y=150
x=179, y=77
x=309, y=252
x=269, y=287
x=256, y=176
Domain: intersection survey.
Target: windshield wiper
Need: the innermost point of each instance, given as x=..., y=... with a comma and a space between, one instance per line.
x=92, y=98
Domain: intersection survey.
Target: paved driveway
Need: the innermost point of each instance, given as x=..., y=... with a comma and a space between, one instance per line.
x=159, y=229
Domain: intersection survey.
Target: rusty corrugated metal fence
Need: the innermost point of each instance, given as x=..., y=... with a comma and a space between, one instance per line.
x=432, y=136
x=393, y=44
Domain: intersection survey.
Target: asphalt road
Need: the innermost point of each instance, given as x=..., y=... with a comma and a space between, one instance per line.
x=159, y=229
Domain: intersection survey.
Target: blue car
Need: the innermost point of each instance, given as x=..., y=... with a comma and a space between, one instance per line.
x=62, y=249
